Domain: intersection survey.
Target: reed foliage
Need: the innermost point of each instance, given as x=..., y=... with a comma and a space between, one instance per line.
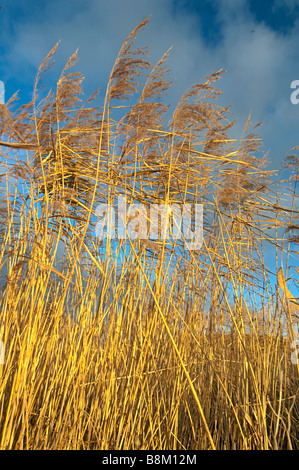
x=142, y=344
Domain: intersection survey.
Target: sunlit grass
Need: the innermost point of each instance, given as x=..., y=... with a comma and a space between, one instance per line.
x=141, y=344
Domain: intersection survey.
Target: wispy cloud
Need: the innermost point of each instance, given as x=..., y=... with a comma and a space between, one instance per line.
x=290, y=4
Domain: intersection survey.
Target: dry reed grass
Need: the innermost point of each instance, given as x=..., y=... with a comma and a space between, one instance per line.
x=171, y=349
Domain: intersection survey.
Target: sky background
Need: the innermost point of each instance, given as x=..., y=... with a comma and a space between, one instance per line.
x=255, y=41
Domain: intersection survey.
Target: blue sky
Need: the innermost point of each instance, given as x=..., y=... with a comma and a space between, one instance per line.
x=256, y=42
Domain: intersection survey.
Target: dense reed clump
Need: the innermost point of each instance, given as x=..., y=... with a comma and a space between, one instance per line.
x=140, y=343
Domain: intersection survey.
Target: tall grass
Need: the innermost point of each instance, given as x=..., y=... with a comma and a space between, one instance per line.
x=141, y=344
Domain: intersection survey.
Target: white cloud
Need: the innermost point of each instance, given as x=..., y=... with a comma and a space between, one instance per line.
x=260, y=62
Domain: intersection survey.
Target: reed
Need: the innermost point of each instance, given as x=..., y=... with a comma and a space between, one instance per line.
x=141, y=344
